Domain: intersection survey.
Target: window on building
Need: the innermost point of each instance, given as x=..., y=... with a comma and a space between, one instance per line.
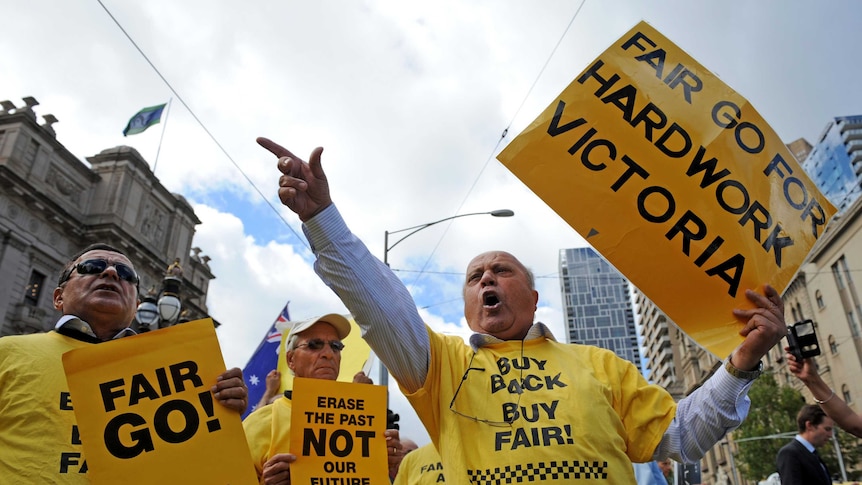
x=845, y=270
x=845, y=392
x=34, y=288
x=833, y=345
x=819, y=297
x=795, y=316
x=799, y=309
x=854, y=325
x=836, y=273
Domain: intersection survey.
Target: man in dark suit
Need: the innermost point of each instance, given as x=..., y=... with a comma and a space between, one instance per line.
x=798, y=461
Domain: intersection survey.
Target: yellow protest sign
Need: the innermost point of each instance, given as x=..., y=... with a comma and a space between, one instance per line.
x=356, y=352
x=676, y=180
x=146, y=414
x=337, y=433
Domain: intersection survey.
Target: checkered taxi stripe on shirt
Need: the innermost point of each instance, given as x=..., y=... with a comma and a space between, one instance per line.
x=531, y=472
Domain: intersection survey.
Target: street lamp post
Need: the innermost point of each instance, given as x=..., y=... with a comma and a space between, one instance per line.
x=415, y=229
x=162, y=308
x=384, y=373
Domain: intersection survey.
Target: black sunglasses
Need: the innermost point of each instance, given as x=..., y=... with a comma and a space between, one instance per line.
x=98, y=266
x=503, y=424
x=316, y=344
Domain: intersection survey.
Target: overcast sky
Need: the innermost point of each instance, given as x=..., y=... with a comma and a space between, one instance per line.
x=410, y=102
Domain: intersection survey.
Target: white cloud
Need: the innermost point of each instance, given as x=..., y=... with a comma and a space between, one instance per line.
x=253, y=282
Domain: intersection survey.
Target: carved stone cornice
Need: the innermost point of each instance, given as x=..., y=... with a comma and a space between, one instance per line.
x=63, y=184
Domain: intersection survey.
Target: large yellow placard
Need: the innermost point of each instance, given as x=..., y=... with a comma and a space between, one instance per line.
x=676, y=180
x=337, y=433
x=146, y=414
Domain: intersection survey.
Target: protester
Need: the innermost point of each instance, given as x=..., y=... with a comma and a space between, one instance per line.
x=666, y=468
x=407, y=445
x=313, y=350
x=832, y=405
x=97, y=294
x=652, y=473
x=422, y=466
x=798, y=461
x=515, y=402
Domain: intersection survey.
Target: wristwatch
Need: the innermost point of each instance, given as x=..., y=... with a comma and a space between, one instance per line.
x=743, y=374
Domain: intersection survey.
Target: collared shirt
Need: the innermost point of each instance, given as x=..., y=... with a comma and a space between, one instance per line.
x=808, y=446
x=71, y=325
x=390, y=323
x=537, y=331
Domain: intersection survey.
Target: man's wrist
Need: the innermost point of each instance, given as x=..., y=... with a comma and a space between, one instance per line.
x=742, y=374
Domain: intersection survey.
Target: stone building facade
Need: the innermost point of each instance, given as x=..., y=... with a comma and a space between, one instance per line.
x=52, y=205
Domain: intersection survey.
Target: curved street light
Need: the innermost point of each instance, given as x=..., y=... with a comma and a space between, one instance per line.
x=415, y=229
x=384, y=373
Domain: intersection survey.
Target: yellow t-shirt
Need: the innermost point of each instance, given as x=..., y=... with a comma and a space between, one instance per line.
x=39, y=441
x=267, y=431
x=421, y=466
x=581, y=412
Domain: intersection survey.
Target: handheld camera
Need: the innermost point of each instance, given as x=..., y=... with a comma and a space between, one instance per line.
x=802, y=340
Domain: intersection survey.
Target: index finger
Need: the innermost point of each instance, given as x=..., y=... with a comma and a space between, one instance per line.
x=772, y=294
x=274, y=148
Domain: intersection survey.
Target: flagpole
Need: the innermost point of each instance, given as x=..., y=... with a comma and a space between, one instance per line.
x=162, y=137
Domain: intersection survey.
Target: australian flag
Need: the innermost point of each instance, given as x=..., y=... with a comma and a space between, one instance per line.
x=264, y=359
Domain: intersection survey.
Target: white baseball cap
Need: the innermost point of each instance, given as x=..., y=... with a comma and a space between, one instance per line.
x=341, y=325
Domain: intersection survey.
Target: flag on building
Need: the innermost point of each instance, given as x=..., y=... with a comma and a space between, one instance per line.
x=263, y=360
x=144, y=119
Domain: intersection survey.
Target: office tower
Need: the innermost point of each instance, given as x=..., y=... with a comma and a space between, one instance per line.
x=597, y=303
x=835, y=161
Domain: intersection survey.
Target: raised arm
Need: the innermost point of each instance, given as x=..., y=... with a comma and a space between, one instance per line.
x=832, y=405
x=721, y=404
x=378, y=300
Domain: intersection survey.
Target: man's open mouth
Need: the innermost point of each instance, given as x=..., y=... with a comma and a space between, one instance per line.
x=490, y=300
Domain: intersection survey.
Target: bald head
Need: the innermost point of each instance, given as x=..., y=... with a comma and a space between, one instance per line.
x=531, y=278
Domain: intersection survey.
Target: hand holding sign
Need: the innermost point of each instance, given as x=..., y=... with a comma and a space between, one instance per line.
x=764, y=328
x=276, y=470
x=231, y=391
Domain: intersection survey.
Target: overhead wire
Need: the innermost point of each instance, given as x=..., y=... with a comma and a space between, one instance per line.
x=202, y=125
x=488, y=159
x=499, y=140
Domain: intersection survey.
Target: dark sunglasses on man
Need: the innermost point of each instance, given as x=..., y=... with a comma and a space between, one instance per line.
x=317, y=344
x=98, y=266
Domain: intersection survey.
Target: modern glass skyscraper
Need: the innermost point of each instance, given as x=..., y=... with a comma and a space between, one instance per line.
x=835, y=162
x=597, y=303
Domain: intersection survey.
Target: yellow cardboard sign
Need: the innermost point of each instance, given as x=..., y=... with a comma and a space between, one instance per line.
x=676, y=180
x=146, y=414
x=337, y=431
x=353, y=357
